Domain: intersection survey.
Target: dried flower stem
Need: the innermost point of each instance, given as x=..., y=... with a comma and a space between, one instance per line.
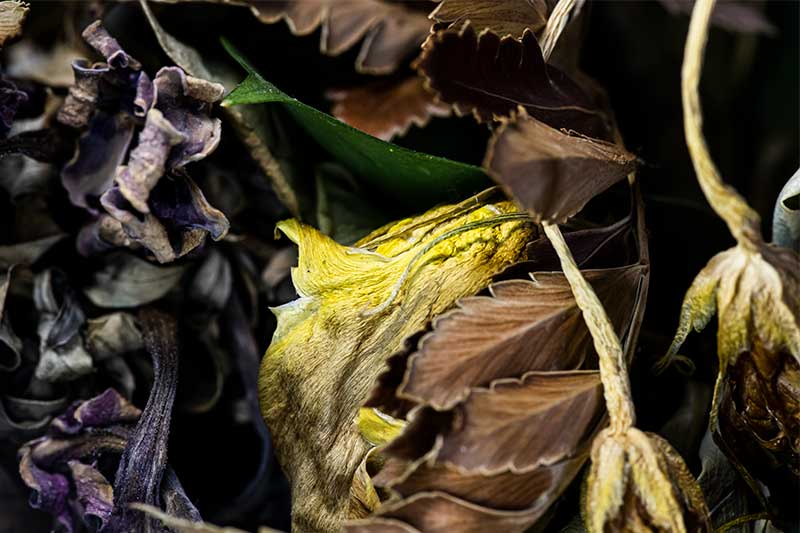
x=556, y=23
x=743, y=222
x=613, y=372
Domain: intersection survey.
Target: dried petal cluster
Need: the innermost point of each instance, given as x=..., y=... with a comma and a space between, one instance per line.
x=355, y=307
x=168, y=217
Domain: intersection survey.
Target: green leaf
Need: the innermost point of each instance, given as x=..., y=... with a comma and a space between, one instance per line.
x=405, y=175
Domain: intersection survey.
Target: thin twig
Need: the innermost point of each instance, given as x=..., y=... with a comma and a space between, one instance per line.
x=743, y=222
x=613, y=371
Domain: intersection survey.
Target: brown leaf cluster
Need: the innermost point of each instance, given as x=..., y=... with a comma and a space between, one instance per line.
x=510, y=367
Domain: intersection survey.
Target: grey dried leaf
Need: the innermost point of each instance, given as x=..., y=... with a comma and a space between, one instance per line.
x=27, y=253
x=62, y=356
x=112, y=335
x=127, y=281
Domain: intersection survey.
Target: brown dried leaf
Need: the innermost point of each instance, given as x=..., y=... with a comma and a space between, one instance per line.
x=502, y=17
x=490, y=77
x=485, y=430
x=12, y=16
x=551, y=173
x=506, y=490
x=523, y=325
x=386, y=109
x=439, y=512
x=389, y=32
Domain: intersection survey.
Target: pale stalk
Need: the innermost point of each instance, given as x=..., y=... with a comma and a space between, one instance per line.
x=556, y=23
x=613, y=371
x=743, y=222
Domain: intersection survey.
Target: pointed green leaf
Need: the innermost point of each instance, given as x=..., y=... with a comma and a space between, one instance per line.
x=405, y=175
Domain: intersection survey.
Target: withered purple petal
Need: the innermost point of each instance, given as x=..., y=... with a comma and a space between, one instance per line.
x=185, y=100
x=142, y=465
x=99, y=39
x=180, y=204
x=145, y=95
x=103, y=410
x=79, y=106
x=100, y=151
x=50, y=490
x=94, y=493
x=147, y=161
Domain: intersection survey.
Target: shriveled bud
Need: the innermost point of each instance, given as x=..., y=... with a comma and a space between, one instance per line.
x=356, y=305
x=638, y=483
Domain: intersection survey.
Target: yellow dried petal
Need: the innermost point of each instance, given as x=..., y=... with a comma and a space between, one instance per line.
x=378, y=428
x=638, y=483
x=356, y=306
x=757, y=297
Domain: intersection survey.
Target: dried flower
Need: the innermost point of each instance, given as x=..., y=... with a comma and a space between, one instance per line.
x=637, y=482
x=355, y=307
x=754, y=288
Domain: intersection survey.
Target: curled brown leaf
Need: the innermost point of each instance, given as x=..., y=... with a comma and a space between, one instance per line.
x=551, y=173
x=488, y=76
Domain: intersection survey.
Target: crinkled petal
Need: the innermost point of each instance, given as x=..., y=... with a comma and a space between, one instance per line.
x=100, y=151
x=185, y=100
x=147, y=161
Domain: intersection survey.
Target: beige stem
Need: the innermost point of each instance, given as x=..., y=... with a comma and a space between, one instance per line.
x=743, y=222
x=613, y=373
x=556, y=24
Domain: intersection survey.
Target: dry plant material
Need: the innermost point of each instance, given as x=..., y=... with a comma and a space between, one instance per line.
x=355, y=307
x=504, y=18
x=490, y=77
x=754, y=288
x=499, y=370
x=12, y=16
x=551, y=173
x=389, y=32
x=387, y=109
x=637, y=482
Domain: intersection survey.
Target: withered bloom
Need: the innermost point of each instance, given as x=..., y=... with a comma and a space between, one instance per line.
x=356, y=305
x=63, y=468
x=754, y=288
x=169, y=217
x=637, y=482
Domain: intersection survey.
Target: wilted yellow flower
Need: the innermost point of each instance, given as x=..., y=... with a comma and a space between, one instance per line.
x=755, y=290
x=755, y=417
x=637, y=482
x=356, y=306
